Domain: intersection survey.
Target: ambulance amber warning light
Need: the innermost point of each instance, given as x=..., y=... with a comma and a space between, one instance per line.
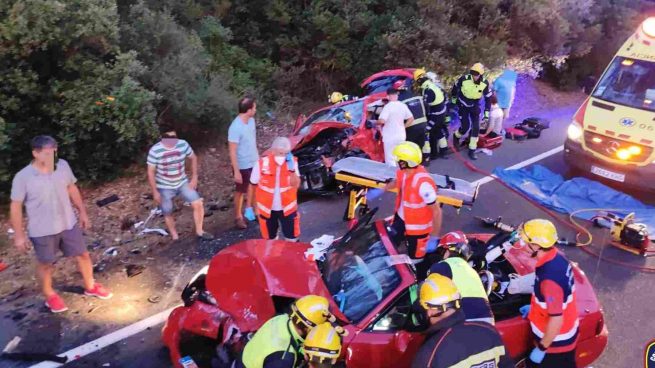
x=623, y=154
x=634, y=150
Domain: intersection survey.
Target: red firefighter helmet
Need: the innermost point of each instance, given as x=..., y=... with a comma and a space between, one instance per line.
x=399, y=84
x=457, y=243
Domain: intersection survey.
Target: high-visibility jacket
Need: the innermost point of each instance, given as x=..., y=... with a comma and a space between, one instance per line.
x=278, y=340
x=265, y=191
x=467, y=92
x=555, y=267
x=415, y=105
x=417, y=214
x=434, y=105
x=454, y=343
x=474, y=297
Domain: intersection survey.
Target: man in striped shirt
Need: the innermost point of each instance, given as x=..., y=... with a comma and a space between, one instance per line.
x=167, y=178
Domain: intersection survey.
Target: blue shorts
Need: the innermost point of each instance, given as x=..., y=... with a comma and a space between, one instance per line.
x=167, y=196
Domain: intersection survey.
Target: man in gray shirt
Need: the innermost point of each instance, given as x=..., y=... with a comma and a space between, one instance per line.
x=46, y=188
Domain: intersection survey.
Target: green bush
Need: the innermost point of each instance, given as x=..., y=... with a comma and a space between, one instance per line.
x=62, y=73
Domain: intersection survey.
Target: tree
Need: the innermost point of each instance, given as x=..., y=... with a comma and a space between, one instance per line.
x=62, y=73
x=178, y=69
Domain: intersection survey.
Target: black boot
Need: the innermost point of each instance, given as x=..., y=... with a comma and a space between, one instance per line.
x=455, y=142
x=472, y=154
x=443, y=152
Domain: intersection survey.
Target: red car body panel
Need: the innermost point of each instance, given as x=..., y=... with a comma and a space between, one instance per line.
x=262, y=268
x=363, y=139
x=259, y=269
x=403, y=72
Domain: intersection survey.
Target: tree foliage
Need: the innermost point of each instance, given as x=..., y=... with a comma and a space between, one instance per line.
x=62, y=73
x=95, y=73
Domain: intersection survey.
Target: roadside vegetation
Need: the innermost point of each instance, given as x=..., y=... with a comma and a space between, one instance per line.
x=99, y=75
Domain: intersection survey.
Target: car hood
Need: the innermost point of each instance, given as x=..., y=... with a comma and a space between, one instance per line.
x=299, y=140
x=245, y=276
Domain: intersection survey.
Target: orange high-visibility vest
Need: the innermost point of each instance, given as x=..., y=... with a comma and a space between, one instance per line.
x=267, y=183
x=417, y=214
x=555, y=267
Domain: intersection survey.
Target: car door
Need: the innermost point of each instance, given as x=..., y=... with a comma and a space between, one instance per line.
x=388, y=341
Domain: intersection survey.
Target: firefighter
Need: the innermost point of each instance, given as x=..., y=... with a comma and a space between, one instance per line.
x=323, y=345
x=467, y=93
x=434, y=100
x=417, y=213
x=338, y=97
x=552, y=312
x=454, y=247
x=278, y=343
x=276, y=179
x=452, y=341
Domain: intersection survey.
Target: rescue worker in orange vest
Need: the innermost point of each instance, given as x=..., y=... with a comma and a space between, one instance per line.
x=277, y=180
x=552, y=311
x=418, y=214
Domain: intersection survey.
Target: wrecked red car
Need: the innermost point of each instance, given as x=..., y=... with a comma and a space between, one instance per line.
x=250, y=282
x=342, y=130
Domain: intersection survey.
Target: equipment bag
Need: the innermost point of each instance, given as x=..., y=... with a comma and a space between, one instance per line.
x=534, y=121
x=531, y=132
x=516, y=134
x=533, y=126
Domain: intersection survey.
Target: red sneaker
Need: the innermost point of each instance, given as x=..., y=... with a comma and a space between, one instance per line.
x=56, y=304
x=99, y=291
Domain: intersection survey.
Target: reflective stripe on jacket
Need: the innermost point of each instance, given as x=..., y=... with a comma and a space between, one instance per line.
x=417, y=214
x=474, y=297
x=437, y=105
x=454, y=342
x=275, y=336
x=555, y=267
x=468, y=92
x=264, y=194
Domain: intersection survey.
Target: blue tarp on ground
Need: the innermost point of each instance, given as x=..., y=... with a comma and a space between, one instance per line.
x=566, y=196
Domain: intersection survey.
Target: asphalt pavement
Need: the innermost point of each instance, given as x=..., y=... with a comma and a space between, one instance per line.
x=623, y=292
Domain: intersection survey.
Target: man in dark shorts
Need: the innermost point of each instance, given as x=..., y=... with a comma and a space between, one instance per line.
x=46, y=188
x=242, y=141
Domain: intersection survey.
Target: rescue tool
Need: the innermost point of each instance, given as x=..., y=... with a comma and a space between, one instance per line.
x=359, y=175
x=626, y=233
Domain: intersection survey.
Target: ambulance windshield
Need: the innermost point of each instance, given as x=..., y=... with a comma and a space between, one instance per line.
x=628, y=82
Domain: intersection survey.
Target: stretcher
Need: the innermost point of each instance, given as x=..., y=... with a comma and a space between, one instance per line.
x=359, y=175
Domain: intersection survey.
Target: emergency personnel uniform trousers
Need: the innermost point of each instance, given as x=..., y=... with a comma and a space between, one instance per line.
x=469, y=118
x=290, y=225
x=416, y=134
x=413, y=243
x=437, y=129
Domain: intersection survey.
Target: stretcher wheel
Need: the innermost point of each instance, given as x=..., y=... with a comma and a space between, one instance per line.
x=363, y=210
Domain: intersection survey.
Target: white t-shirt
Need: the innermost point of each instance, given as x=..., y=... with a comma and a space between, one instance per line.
x=426, y=191
x=394, y=115
x=277, y=198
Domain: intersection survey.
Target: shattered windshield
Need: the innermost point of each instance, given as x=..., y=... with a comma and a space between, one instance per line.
x=628, y=82
x=350, y=113
x=382, y=84
x=359, y=273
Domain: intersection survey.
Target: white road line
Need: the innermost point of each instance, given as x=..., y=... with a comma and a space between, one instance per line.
x=137, y=327
x=522, y=164
x=112, y=338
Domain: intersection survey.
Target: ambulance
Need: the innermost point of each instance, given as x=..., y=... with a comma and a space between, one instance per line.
x=612, y=135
